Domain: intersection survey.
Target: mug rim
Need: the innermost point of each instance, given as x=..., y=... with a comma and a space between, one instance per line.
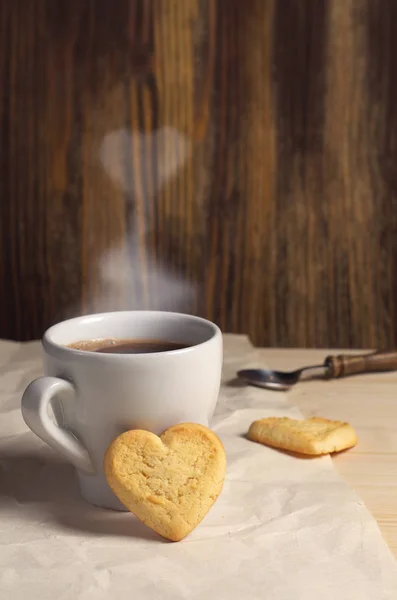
x=52, y=347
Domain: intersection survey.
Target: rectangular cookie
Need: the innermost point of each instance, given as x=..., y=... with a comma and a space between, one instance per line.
x=313, y=436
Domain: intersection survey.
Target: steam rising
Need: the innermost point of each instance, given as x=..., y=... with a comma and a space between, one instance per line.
x=161, y=289
x=125, y=282
x=117, y=148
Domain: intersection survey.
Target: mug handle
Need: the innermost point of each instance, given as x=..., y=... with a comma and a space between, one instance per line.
x=35, y=402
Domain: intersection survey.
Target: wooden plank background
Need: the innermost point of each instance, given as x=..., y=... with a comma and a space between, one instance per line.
x=232, y=159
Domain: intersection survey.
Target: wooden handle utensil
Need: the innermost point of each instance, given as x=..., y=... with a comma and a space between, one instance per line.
x=342, y=365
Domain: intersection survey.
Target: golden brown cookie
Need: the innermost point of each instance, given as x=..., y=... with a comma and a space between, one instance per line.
x=313, y=436
x=169, y=482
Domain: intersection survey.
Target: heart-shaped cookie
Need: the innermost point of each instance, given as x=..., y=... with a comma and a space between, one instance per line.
x=169, y=482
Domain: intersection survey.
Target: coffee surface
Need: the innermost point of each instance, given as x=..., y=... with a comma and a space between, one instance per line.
x=118, y=346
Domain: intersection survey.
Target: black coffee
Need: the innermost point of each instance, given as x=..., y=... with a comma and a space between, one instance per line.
x=114, y=346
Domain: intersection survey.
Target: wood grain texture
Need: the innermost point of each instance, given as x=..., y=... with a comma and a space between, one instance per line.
x=234, y=160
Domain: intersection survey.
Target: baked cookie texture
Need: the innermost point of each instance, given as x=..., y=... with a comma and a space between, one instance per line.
x=169, y=482
x=313, y=436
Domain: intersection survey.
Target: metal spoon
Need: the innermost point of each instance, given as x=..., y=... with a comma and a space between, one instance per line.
x=333, y=366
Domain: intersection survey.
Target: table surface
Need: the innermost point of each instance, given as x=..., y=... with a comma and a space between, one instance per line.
x=369, y=403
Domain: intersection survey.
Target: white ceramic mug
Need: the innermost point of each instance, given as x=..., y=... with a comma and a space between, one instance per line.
x=96, y=396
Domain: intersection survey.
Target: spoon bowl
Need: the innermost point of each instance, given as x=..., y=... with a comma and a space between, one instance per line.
x=273, y=380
